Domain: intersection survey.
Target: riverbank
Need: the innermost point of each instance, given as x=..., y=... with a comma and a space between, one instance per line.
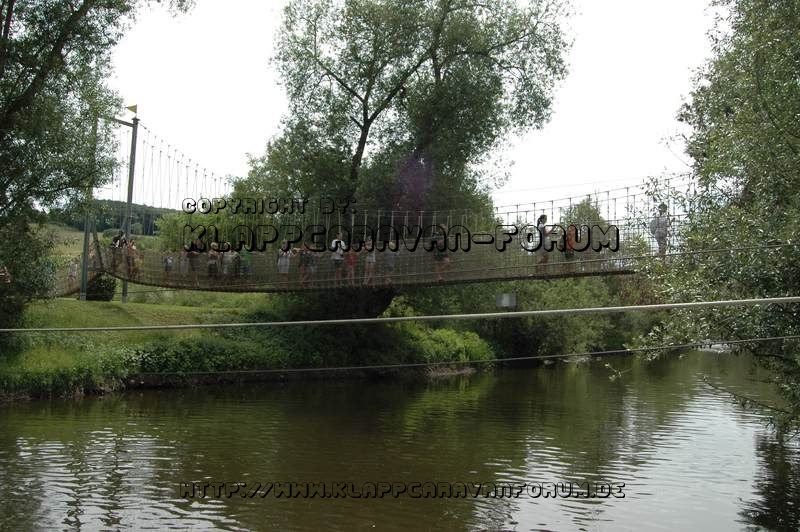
x=69, y=364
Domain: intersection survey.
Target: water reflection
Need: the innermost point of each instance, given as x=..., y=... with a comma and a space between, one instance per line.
x=688, y=455
x=776, y=505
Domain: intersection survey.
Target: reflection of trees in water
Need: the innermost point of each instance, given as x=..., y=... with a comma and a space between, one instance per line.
x=98, y=464
x=72, y=471
x=777, y=504
x=545, y=424
x=565, y=422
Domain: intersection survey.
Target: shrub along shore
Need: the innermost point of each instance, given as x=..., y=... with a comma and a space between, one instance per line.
x=78, y=363
x=64, y=364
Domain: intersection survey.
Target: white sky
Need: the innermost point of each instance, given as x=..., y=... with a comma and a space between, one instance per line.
x=203, y=84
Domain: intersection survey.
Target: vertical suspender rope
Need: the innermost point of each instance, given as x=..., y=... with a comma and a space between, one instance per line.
x=153, y=183
x=160, y=174
x=169, y=178
x=186, y=192
x=192, y=191
x=141, y=198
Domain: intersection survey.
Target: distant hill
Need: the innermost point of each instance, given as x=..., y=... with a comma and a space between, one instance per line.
x=110, y=214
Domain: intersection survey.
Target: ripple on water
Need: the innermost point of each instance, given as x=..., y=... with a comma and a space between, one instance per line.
x=686, y=454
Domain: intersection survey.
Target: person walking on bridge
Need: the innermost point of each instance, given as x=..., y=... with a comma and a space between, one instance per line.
x=544, y=232
x=337, y=258
x=659, y=227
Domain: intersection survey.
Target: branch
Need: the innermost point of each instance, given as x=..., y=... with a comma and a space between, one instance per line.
x=770, y=116
x=399, y=85
x=338, y=79
x=746, y=399
x=314, y=53
x=487, y=52
x=47, y=65
x=7, y=20
x=9, y=13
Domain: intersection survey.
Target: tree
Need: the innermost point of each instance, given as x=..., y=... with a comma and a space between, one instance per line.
x=585, y=216
x=54, y=145
x=741, y=238
x=397, y=102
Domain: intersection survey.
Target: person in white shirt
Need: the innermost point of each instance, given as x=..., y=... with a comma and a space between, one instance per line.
x=337, y=247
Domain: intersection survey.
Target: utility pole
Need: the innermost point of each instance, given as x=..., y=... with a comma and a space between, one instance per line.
x=134, y=124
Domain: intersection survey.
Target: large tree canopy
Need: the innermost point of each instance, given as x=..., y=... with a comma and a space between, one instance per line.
x=54, y=58
x=396, y=101
x=745, y=143
x=54, y=143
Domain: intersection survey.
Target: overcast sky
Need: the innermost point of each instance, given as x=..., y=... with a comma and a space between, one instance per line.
x=203, y=84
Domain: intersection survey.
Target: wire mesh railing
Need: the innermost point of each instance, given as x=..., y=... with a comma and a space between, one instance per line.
x=445, y=255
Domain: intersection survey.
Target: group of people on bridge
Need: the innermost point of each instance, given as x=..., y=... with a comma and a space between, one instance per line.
x=124, y=250
x=342, y=264
x=223, y=262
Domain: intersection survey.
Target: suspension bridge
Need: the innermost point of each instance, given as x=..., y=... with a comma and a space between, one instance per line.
x=612, y=235
x=510, y=246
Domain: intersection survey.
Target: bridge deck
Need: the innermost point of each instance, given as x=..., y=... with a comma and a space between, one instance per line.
x=418, y=268
x=259, y=271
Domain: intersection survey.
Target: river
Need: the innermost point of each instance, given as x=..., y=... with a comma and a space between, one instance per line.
x=689, y=456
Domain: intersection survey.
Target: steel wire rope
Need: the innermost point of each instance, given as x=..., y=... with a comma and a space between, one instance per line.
x=395, y=319
x=169, y=178
x=145, y=144
x=161, y=169
x=153, y=183
x=687, y=345
x=627, y=351
x=627, y=189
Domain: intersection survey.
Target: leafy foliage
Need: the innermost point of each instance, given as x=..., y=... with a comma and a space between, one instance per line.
x=398, y=102
x=539, y=335
x=101, y=288
x=741, y=237
x=54, y=143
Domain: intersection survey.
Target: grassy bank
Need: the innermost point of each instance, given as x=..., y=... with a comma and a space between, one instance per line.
x=63, y=364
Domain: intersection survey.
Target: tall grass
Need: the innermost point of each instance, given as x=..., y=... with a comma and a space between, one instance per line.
x=74, y=363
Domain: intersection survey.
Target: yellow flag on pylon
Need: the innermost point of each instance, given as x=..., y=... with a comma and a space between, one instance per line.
x=132, y=108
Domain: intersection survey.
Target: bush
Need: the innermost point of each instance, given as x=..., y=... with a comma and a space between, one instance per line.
x=208, y=353
x=447, y=345
x=101, y=288
x=11, y=312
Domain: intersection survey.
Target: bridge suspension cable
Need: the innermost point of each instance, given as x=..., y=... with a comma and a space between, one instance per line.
x=162, y=176
x=397, y=319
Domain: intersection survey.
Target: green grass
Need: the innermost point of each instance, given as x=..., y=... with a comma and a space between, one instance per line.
x=65, y=312
x=68, y=363
x=74, y=363
x=68, y=241
x=87, y=358
x=72, y=347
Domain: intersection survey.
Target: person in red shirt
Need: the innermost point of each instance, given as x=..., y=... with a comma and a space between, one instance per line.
x=350, y=262
x=569, y=247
